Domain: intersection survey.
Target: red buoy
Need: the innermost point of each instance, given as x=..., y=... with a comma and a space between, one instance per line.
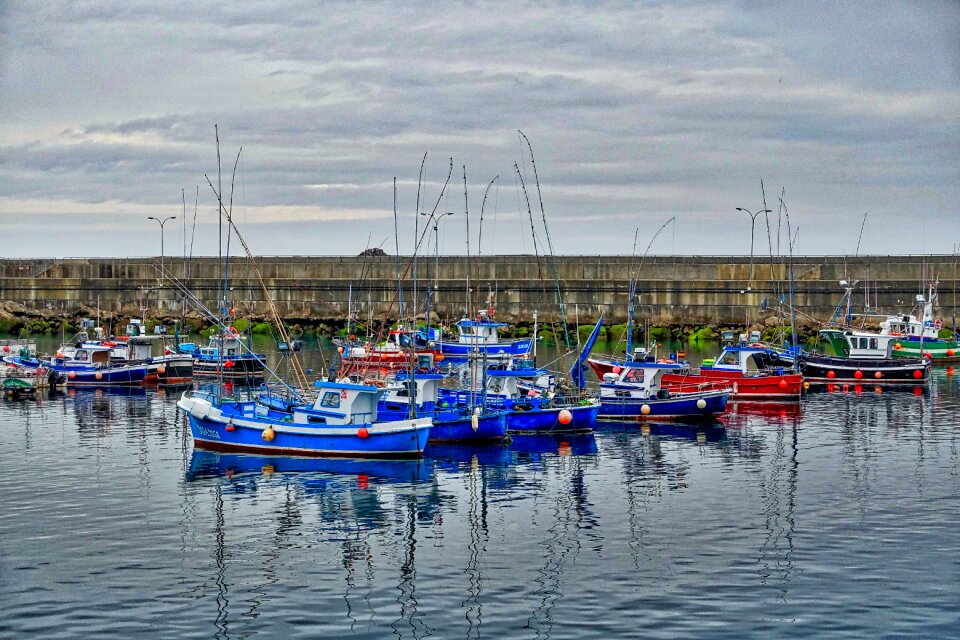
x=831, y=374
x=918, y=374
x=230, y=427
x=565, y=417
x=617, y=369
x=228, y=364
x=858, y=374
x=362, y=433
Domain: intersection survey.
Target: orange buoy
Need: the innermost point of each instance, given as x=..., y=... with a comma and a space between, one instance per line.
x=73, y=374
x=161, y=369
x=897, y=346
x=98, y=376
x=878, y=375
x=268, y=434
x=565, y=417
x=950, y=352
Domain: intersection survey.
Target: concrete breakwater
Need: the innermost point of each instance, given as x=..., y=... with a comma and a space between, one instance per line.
x=671, y=291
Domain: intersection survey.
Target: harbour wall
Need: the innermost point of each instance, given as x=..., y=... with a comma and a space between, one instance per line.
x=670, y=290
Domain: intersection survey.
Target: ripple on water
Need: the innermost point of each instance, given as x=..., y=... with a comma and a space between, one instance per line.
x=831, y=519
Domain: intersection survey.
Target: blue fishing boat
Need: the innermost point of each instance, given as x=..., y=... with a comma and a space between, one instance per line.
x=342, y=421
x=90, y=365
x=482, y=336
x=451, y=422
x=533, y=411
x=635, y=393
x=225, y=355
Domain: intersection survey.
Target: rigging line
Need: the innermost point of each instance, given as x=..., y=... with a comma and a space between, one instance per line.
x=278, y=321
x=197, y=304
x=546, y=230
x=860, y=237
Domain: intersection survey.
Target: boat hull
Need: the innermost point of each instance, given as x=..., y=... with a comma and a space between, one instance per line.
x=491, y=427
x=216, y=430
x=939, y=351
x=497, y=350
x=775, y=388
x=888, y=371
x=674, y=407
x=243, y=367
x=539, y=420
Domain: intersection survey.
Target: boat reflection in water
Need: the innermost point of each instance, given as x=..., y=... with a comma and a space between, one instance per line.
x=208, y=464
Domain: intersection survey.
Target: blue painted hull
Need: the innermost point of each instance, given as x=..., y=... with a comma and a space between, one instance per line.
x=672, y=408
x=505, y=349
x=89, y=376
x=548, y=420
x=449, y=426
x=239, y=427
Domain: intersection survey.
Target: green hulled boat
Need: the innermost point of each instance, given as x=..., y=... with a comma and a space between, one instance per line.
x=921, y=337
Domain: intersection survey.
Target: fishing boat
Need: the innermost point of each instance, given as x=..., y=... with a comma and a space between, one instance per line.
x=451, y=422
x=90, y=365
x=225, y=356
x=637, y=393
x=920, y=336
x=341, y=422
x=482, y=336
x=168, y=367
x=529, y=412
x=861, y=357
x=752, y=371
x=394, y=353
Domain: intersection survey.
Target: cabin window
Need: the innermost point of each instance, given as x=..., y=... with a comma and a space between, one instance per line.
x=315, y=419
x=728, y=357
x=633, y=375
x=80, y=355
x=331, y=400
x=874, y=343
x=231, y=352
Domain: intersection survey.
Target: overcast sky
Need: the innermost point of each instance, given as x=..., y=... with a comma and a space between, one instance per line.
x=637, y=111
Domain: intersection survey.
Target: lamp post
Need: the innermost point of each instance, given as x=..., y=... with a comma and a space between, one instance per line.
x=753, y=220
x=161, y=223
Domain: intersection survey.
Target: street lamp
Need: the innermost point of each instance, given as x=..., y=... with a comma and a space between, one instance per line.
x=753, y=220
x=161, y=223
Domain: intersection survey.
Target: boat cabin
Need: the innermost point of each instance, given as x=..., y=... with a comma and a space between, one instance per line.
x=479, y=331
x=230, y=343
x=746, y=359
x=426, y=393
x=639, y=380
x=858, y=344
x=339, y=403
x=90, y=354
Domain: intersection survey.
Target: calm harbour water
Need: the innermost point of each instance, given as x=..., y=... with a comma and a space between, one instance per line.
x=837, y=518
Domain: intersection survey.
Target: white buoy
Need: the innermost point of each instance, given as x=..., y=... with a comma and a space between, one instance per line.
x=701, y=404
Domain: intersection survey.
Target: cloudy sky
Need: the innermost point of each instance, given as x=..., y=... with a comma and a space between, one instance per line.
x=637, y=111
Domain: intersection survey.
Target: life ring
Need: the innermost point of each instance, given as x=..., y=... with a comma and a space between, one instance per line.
x=895, y=333
x=233, y=331
x=938, y=324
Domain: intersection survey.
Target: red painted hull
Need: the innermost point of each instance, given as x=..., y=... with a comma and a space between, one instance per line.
x=788, y=386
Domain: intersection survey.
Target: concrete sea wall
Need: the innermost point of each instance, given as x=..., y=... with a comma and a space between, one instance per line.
x=671, y=290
